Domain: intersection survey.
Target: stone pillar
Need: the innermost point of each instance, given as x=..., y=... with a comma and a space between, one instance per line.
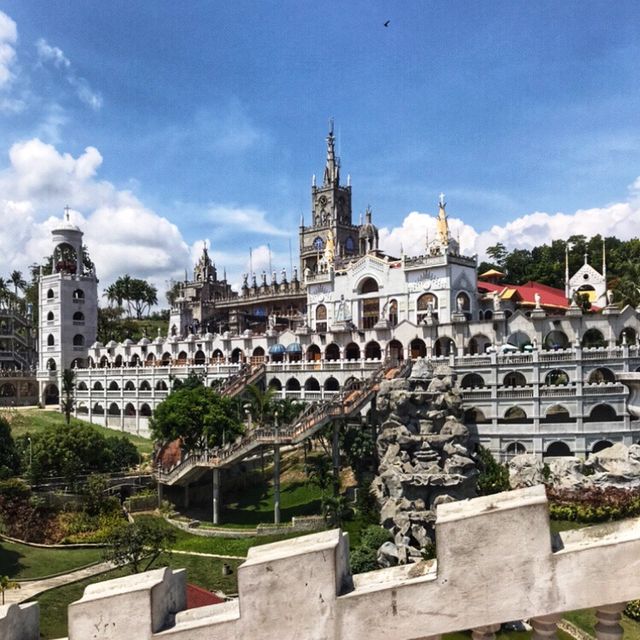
x=216, y=496
x=276, y=483
x=545, y=627
x=485, y=633
x=608, y=625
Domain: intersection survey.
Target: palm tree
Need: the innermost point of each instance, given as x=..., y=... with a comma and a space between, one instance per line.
x=261, y=403
x=7, y=583
x=4, y=290
x=18, y=281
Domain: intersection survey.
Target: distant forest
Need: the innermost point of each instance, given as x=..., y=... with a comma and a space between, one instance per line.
x=546, y=263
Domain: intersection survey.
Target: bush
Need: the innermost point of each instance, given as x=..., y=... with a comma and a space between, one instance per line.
x=593, y=505
x=374, y=536
x=494, y=477
x=364, y=559
x=632, y=610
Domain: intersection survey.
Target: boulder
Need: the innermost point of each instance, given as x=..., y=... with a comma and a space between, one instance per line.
x=525, y=471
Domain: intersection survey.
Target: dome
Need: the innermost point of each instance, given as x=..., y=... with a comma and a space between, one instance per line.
x=158, y=340
x=144, y=341
x=97, y=345
x=208, y=336
x=111, y=344
x=127, y=342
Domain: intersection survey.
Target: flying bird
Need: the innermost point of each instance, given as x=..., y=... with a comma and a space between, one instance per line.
x=386, y=24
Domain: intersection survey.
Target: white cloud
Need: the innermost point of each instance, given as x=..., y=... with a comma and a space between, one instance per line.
x=248, y=219
x=619, y=219
x=122, y=235
x=49, y=54
x=8, y=37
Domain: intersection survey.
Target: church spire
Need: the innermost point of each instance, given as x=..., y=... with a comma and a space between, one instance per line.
x=442, y=223
x=332, y=168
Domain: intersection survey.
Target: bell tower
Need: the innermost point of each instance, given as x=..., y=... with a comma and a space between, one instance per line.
x=331, y=215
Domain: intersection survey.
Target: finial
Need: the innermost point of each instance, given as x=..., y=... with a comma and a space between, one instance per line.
x=313, y=180
x=302, y=219
x=66, y=212
x=586, y=257
x=331, y=126
x=441, y=200
x=348, y=179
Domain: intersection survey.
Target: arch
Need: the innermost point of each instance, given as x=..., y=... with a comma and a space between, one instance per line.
x=556, y=339
x=150, y=360
x=515, y=414
x=600, y=445
x=82, y=408
x=514, y=379
x=463, y=302
x=395, y=351
x=352, y=351
x=515, y=449
x=145, y=386
x=82, y=386
x=145, y=410
x=313, y=353
x=426, y=304
x=199, y=358
x=519, y=339
x=418, y=348
x=78, y=316
x=8, y=390
x=592, y=339
x=331, y=384
x=78, y=294
x=488, y=315
x=161, y=385
x=50, y=294
x=78, y=340
x=104, y=362
x=51, y=394
x=557, y=413
x=474, y=416
x=165, y=361
x=129, y=386
x=292, y=384
x=77, y=363
x=51, y=365
x=601, y=375
x=217, y=356
x=274, y=383
x=478, y=344
x=556, y=377
x=392, y=313
x=332, y=352
x=114, y=386
x=50, y=316
x=237, y=355
x=129, y=409
x=311, y=384
x=472, y=381
x=444, y=346
x=114, y=409
x=368, y=285
x=135, y=360
x=50, y=340
x=321, y=318
x=98, y=409
x=372, y=351
x=182, y=357
x=602, y=413
x=97, y=386
x=258, y=352
x=628, y=335
x=118, y=362
x=352, y=383
x=557, y=449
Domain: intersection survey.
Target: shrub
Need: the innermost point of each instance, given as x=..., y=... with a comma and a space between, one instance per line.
x=364, y=559
x=374, y=536
x=593, y=505
x=494, y=477
x=632, y=610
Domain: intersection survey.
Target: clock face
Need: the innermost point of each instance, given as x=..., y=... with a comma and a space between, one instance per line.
x=318, y=244
x=323, y=200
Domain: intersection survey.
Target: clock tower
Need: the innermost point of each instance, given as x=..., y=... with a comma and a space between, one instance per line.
x=331, y=222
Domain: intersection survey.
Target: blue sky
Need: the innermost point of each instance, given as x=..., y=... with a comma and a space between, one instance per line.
x=212, y=116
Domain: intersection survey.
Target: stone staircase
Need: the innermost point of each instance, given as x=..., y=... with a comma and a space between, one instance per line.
x=346, y=404
x=236, y=383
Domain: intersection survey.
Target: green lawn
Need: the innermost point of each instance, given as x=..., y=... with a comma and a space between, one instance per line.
x=204, y=572
x=21, y=562
x=32, y=420
x=586, y=620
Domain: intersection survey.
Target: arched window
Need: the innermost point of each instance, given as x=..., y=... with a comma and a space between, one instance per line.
x=104, y=362
x=427, y=304
x=150, y=361
x=321, y=318
x=50, y=316
x=515, y=414
x=135, y=360
x=311, y=384
x=51, y=394
x=593, y=338
x=166, y=359
x=628, y=335
x=601, y=375
x=78, y=295
x=118, y=362
x=217, y=356
x=515, y=449
x=50, y=340
x=519, y=339
x=113, y=386
x=51, y=364
x=372, y=351
x=474, y=416
x=161, y=385
x=114, y=409
x=50, y=294
x=145, y=386
x=331, y=384
x=292, y=384
x=557, y=413
x=349, y=245
x=556, y=377
x=472, y=381
x=478, y=344
x=78, y=340
x=237, y=355
x=395, y=351
x=129, y=410
x=332, y=352
x=145, y=410
x=369, y=285
x=602, y=413
x=78, y=316
x=182, y=357
x=98, y=409
x=444, y=346
x=352, y=351
x=274, y=383
x=199, y=357
x=463, y=303
x=514, y=379
x=82, y=386
x=313, y=353
x=129, y=386
x=393, y=313
x=97, y=386
x=418, y=348
x=556, y=340
x=557, y=450
x=601, y=445
x=318, y=244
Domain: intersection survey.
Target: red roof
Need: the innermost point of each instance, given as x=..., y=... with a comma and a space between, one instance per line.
x=525, y=293
x=199, y=597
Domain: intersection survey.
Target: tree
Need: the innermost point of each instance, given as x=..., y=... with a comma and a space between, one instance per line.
x=498, y=252
x=494, y=477
x=198, y=416
x=18, y=281
x=139, y=295
x=9, y=457
x=7, y=583
x=173, y=291
x=138, y=544
x=68, y=393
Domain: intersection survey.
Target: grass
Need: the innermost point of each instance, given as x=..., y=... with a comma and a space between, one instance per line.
x=22, y=562
x=586, y=620
x=204, y=572
x=31, y=420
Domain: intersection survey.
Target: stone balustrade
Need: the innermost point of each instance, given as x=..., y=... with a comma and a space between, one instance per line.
x=496, y=561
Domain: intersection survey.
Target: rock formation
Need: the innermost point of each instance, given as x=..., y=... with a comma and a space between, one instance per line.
x=425, y=457
x=617, y=466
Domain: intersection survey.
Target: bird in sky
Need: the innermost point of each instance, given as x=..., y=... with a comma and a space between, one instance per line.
x=386, y=24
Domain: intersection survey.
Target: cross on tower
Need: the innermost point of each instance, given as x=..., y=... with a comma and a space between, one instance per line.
x=442, y=200
x=66, y=212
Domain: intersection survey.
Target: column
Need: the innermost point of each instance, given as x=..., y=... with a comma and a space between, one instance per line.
x=545, y=627
x=608, y=625
x=216, y=495
x=276, y=482
x=487, y=632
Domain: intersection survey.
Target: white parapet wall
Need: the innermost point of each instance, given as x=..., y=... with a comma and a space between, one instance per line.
x=20, y=621
x=497, y=561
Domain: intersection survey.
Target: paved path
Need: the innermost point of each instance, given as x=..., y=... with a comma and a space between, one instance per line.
x=31, y=588
x=208, y=555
